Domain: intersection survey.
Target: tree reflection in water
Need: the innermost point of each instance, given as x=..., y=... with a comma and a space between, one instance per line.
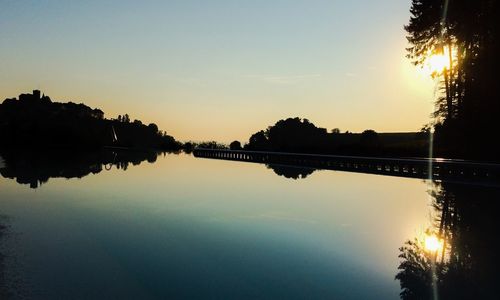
x=465, y=267
x=36, y=168
x=291, y=172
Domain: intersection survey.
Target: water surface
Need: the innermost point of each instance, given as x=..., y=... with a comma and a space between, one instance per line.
x=182, y=227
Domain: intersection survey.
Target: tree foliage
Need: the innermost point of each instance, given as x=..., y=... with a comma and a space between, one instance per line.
x=35, y=122
x=301, y=135
x=465, y=267
x=469, y=102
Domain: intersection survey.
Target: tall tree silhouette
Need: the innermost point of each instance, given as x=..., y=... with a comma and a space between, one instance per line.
x=466, y=266
x=467, y=33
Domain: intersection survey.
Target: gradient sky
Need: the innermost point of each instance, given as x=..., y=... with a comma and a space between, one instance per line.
x=220, y=69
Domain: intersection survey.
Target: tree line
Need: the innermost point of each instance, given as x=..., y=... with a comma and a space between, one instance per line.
x=36, y=121
x=302, y=136
x=468, y=105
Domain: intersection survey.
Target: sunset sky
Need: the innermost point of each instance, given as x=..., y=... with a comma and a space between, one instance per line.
x=221, y=69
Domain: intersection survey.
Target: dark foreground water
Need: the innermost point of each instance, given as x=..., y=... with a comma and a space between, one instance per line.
x=179, y=227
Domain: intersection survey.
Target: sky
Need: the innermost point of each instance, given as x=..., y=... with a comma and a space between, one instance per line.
x=221, y=69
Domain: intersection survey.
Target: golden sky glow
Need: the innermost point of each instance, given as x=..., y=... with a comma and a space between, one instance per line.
x=221, y=70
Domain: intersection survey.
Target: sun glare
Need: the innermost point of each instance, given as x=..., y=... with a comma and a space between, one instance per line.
x=437, y=63
x=433, y=244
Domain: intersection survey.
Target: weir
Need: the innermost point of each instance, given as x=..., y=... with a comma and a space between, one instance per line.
x=442, y=169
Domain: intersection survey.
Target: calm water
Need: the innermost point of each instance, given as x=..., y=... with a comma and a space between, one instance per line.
x=182, y=227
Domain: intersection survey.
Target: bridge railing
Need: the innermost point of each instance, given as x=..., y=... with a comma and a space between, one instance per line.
x=425, y=168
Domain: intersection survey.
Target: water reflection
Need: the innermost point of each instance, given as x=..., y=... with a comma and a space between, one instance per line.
x=463, y=263
x=453, y=259
x=184, y=228
x=36, y=168
x=291, y=172
x=4, y=291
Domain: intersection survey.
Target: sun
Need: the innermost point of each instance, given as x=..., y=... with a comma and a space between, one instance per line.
x=432, y=243
x=437, y=63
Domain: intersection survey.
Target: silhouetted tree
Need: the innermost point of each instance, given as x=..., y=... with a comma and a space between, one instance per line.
x=300, y=135
x=211, y=145
x=189, y=147
x=467, y=33
x=258, y=141
x=32, y=121
x=465, y=267
x=335, y=130
x=153, y=127
x=235, y=145
x=369, y=138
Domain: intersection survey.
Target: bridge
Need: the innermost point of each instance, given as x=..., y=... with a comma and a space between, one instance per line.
x=424, y=168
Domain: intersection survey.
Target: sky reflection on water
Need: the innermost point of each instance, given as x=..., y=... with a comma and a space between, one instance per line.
x=192, y=228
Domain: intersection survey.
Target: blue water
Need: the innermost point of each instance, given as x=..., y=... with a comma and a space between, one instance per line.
x=190, y=228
